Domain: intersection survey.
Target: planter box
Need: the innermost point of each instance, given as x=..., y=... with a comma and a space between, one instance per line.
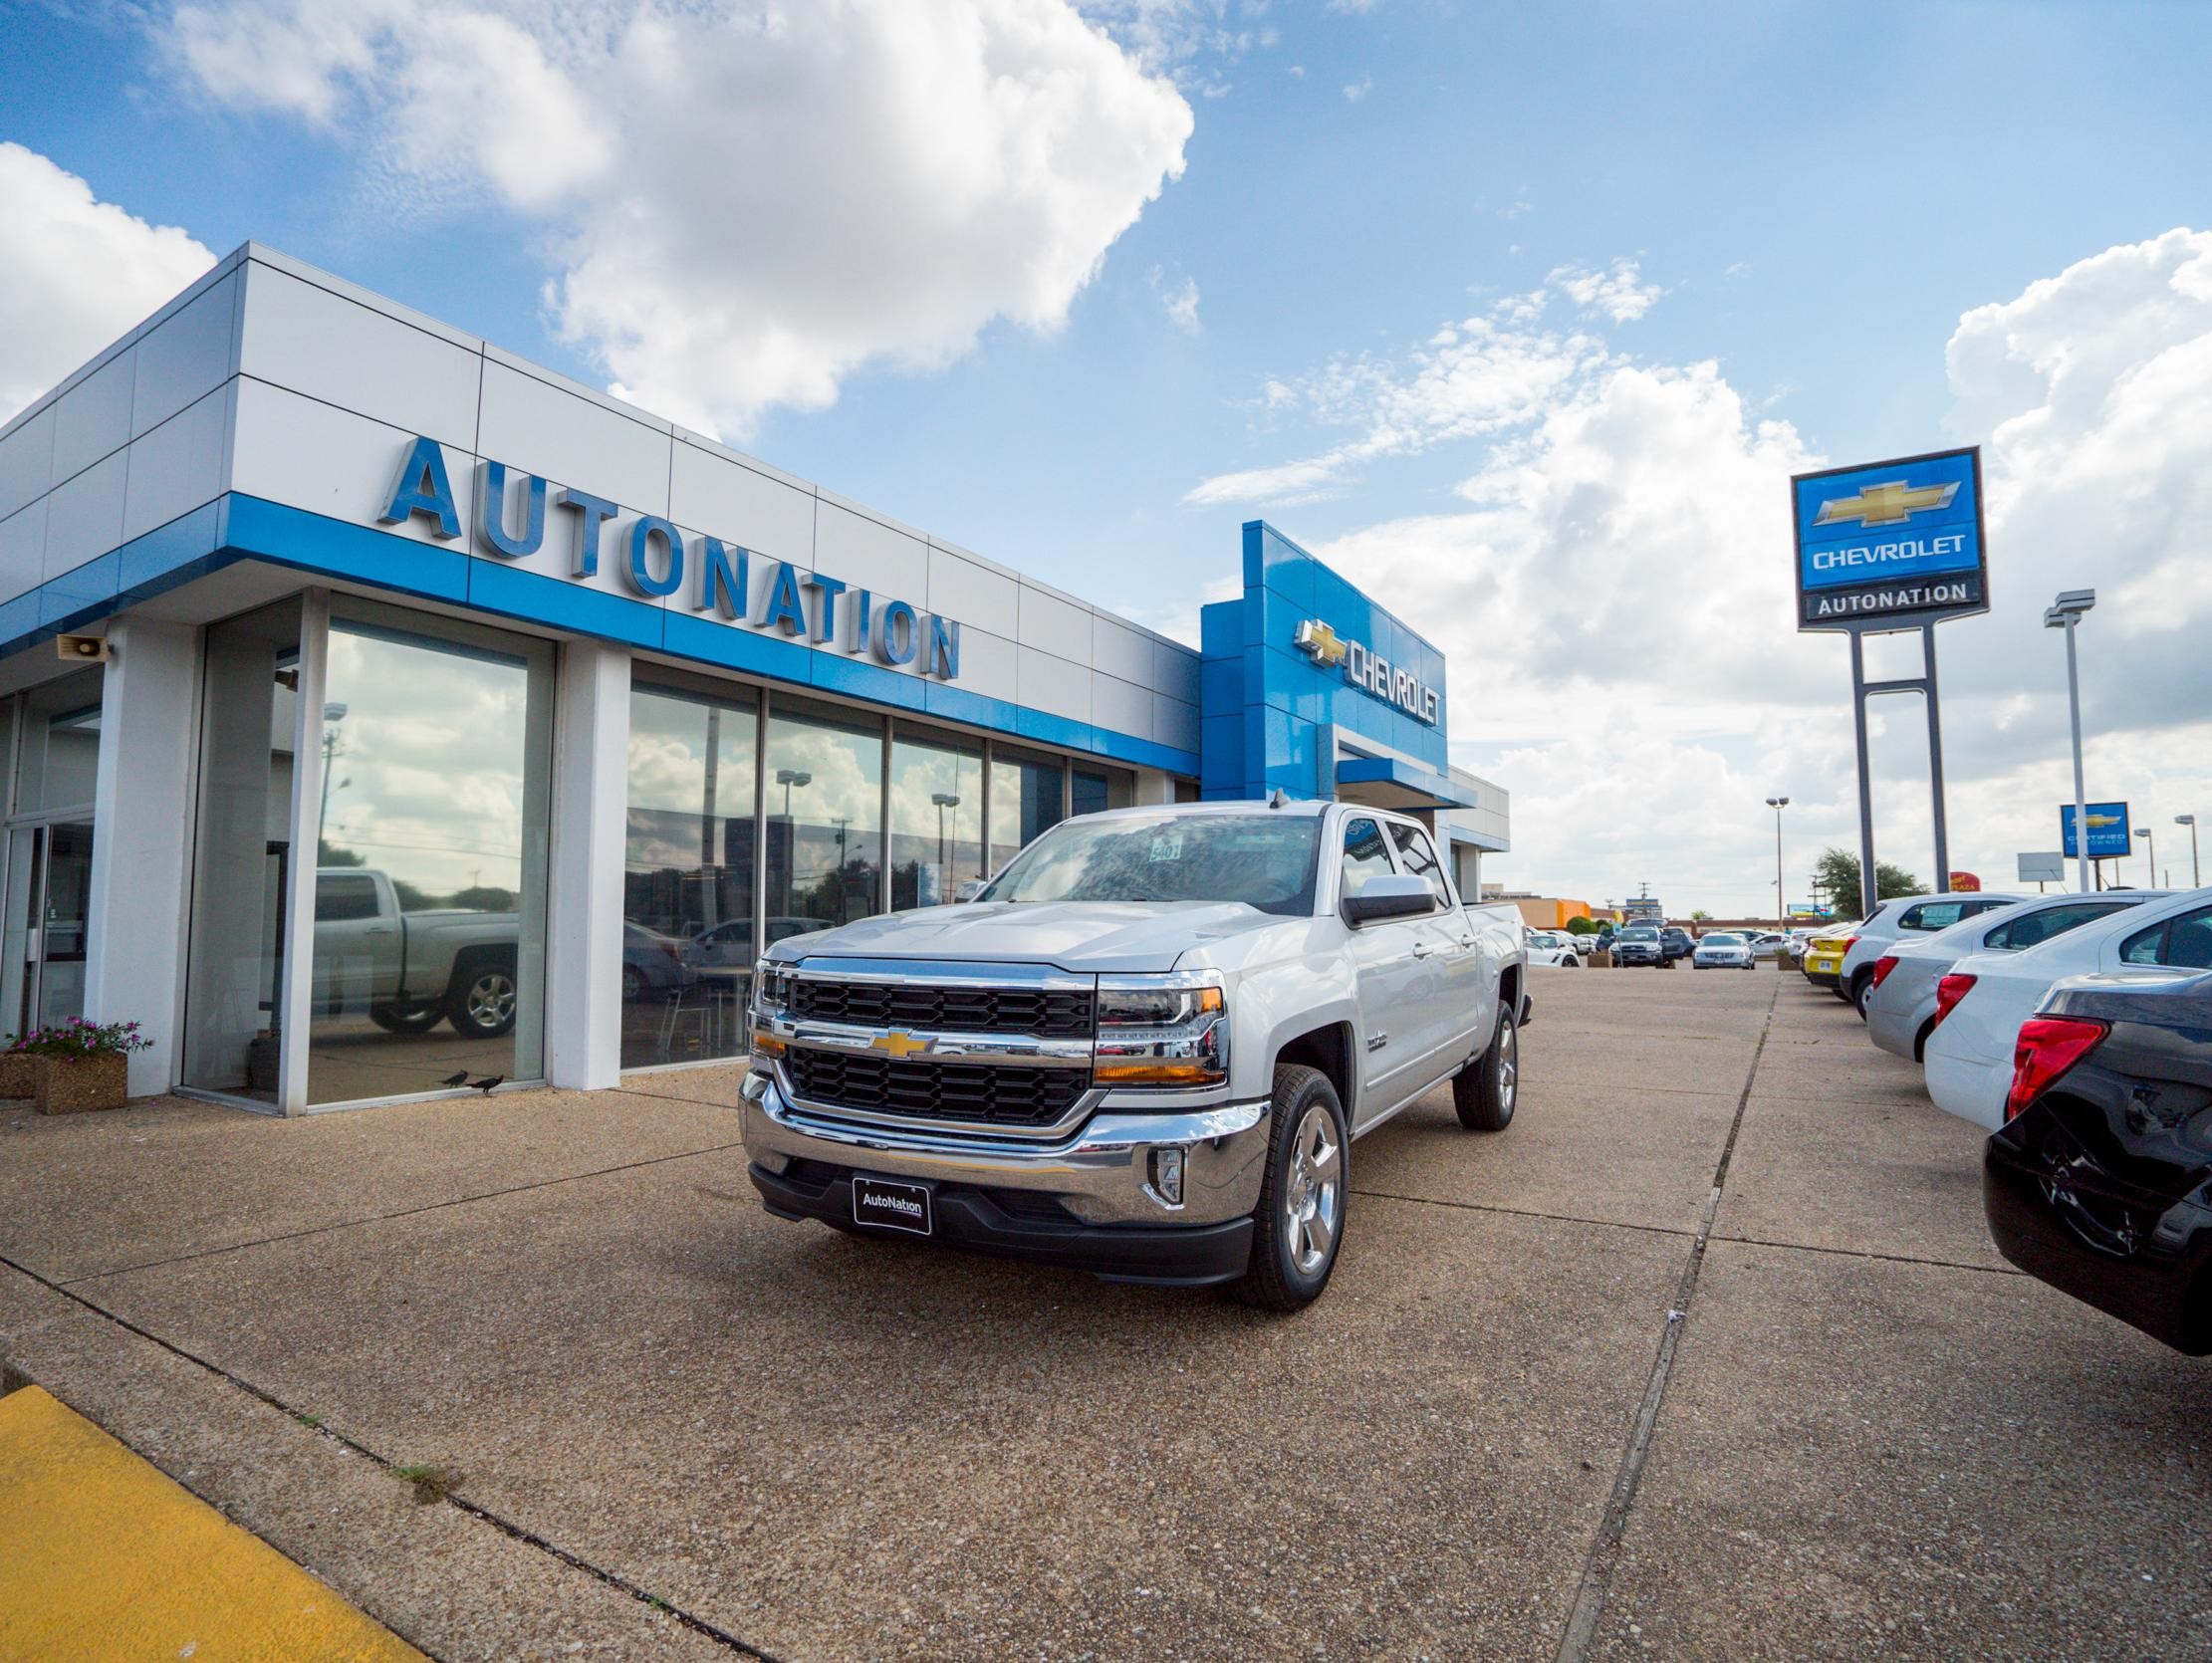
x=19, y=1074
x=71, y=1085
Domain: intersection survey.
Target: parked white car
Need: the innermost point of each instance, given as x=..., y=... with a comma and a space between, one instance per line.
x=1901, y=1011
x=1988, y=995
x=1723, y=950
x=1906, y=916
x=1553, y=948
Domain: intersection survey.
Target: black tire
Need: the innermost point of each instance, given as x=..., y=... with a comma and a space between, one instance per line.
x=1486, y=1091
x=406, y=1019
x=1305, y=1186
x=1862, y=993
x=634, y=984
x=482, y=999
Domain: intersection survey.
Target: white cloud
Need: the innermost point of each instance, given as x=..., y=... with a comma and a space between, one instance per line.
x=1358, y=89
x=1615, y=597
x=747, y=205
x=1178, y=299
x=1618, y=292
x=75, y=273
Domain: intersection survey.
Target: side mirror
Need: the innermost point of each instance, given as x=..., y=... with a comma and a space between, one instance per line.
x=1390, y=896
x=968, y=891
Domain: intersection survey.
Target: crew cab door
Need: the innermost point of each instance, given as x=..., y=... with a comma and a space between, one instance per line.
x=1451, y=993
x=1388, y=976
x=357, y=939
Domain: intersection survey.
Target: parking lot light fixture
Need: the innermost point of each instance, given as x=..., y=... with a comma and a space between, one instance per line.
x=2196, y=874
x=2064, y=613
x=2151, y=849
x=1780, y=906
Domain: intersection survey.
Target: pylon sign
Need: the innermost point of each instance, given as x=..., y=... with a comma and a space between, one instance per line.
x=1890, y=542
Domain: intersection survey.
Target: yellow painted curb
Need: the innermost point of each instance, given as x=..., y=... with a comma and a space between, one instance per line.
x=104, y=1555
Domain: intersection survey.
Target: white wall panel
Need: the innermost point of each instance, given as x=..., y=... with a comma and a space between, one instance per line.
x=23, y=550
x=308, y=454
x=974, y=593
x=1176, y=671
x=740, y=505
x=1118, y=651
x=27, y=462
x=181, y=357
x=867, y=555
x=1053, y=684
x=83, y=517
x=177, y=466
x=987, y=665
x=1122, y=705
x=1051, y=625
x=314, y=342
x=1174, y=723
x=92, y=419
x=540, y=429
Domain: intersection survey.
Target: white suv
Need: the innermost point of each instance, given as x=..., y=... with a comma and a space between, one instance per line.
x=1909, y=915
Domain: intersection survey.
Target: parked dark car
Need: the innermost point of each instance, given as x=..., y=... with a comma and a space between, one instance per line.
x=1676, y=943
x=2099, y=1181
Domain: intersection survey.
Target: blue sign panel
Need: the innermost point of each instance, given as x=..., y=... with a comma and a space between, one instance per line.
x=1890, y=541
x=2109, y=831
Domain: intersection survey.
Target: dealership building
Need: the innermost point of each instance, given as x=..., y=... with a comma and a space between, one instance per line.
x=573, y=708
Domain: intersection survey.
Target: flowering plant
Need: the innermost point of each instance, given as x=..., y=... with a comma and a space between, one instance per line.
x=79, y=1038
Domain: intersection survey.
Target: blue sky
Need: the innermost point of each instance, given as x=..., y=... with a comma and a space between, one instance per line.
x=1810, y=197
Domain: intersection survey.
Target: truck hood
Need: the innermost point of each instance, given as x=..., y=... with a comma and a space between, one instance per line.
x=1086, y=937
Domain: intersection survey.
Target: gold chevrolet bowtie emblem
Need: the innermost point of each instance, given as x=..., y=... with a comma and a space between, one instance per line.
x=1319, y=642
x=897, y=1042
x=1885, y=504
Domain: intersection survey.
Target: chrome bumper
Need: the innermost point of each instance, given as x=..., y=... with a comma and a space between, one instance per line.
x=1101, y=1172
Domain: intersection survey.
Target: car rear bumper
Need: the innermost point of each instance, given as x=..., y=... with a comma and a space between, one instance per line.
x=1088, y=1200
x=1894, y=1031
x=1971, y=1090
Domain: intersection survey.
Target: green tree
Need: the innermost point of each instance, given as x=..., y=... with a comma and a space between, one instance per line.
x=1700, y=916
x=1582, y=926
x=1836, y=873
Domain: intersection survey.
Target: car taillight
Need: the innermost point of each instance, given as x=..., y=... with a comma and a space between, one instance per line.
x=1948, y=993
x=1882, y=967
x=2046, y=1048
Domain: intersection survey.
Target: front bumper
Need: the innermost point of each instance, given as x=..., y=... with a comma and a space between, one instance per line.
x=1085, y=1200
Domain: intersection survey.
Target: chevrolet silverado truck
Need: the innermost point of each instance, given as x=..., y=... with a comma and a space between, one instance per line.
x=1144, y=1051
x=409, y=971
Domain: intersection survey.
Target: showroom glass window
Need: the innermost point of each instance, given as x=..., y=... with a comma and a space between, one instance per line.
x=429, y=937
x=937, y=814
x=687, y=875
x=1027, y=795
x=822, y=787
x=1090, y=789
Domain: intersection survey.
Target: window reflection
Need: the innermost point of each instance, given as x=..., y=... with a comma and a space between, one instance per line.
x=823, y=783
x=429, y=916
x=936, y=819
x=1026, y=799
x=687, y=894
x=1093, y=789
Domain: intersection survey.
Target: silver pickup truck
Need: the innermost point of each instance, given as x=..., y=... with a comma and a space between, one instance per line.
x=1144, y=1051
x=408, y=970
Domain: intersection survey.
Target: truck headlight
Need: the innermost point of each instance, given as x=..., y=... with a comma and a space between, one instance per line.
x=1162, y=1030
x=771, y=993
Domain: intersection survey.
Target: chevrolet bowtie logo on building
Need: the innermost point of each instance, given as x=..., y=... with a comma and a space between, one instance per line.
x=1319, y=642
x=897, y=1042
x=1892, y=504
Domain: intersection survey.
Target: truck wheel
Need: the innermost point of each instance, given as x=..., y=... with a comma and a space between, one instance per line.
x=1300, y=1222
x=406, y=1019
x=481, y=1002
x=1485, y=1092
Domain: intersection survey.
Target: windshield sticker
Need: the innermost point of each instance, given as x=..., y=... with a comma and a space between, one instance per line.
x=1168, y=849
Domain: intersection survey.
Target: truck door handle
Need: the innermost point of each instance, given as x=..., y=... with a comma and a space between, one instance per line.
x=379, y=929
x=1420, y=949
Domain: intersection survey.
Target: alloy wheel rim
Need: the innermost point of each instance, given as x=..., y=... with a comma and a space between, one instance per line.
x=1509, y=1063
x=491, y=999
x=1313, y=1200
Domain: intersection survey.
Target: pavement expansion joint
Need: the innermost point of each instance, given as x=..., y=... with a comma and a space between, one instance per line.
x=1523, y=1211
x=1870, y=1253
x=1598, y=1566
x=396, y=1213
x=506, y=1527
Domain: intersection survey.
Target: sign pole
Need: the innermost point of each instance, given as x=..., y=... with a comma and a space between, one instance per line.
x=1935, y=768
x=1869, y=889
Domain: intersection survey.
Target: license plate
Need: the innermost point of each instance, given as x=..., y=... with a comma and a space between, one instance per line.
x=883, y=1205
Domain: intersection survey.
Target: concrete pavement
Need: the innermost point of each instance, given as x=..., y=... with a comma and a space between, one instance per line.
x=678, y=1426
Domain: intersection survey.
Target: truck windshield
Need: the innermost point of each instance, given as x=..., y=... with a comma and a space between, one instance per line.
x=1264, y=860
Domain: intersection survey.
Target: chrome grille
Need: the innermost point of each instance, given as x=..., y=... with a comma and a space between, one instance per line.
x=1046, y=1014
x=981, y=1094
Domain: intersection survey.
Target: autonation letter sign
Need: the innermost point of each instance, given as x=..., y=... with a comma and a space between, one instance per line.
x=1890, y=542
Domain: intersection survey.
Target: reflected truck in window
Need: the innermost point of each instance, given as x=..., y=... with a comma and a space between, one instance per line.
x=408, y=971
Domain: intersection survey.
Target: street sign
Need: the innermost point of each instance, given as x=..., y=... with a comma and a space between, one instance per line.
x=1890, y=542
x=2109, y=831
x=2043, y=868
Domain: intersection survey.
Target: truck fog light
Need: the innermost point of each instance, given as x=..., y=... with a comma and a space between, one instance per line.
x=1167, y=1175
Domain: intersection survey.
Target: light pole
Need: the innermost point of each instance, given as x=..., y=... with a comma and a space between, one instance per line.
x=2196, y=874
x=2151, y=849
x=1780, y=906
x=2064, y=613
x=944, y=800
x=789, y=777
x=333, y=714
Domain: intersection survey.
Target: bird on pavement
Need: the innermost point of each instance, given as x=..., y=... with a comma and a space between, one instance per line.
x=460, y=1079
x=487, y=1082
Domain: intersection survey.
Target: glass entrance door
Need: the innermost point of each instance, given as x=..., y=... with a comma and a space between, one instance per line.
x=50, y=869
